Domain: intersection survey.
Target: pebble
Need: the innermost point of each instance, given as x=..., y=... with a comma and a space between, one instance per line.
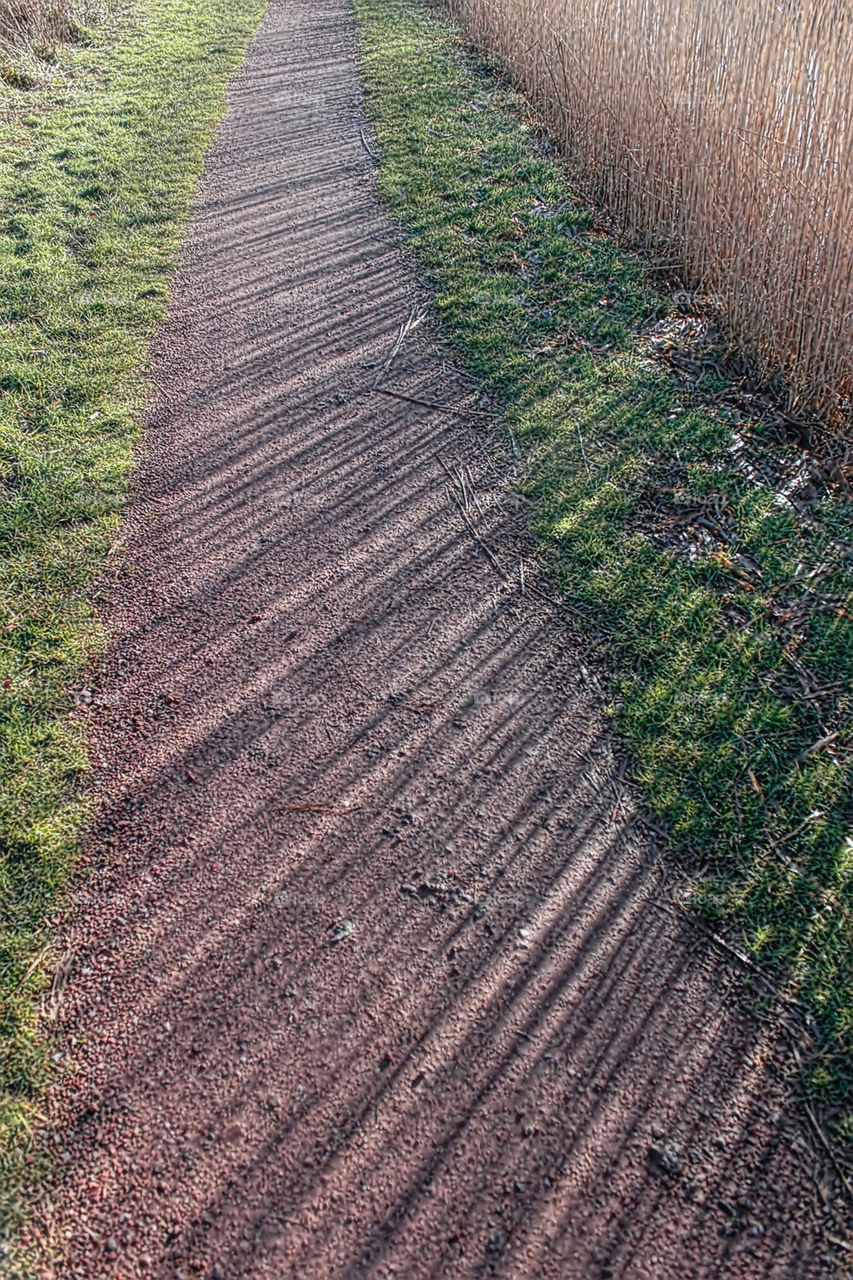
x=666, y=1159
x=344, y=929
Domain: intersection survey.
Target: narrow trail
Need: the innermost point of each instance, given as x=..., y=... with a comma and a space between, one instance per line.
x=370, y=976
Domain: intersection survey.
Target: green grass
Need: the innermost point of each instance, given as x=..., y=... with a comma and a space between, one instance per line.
x=727, y=666
x=97, y=171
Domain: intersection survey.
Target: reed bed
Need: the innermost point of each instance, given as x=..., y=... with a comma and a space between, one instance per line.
x=721, y=137
x=36, y=24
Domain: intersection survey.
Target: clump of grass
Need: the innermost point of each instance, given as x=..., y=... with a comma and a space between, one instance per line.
x=722, y=133
x=713, y=569
x=96, y=180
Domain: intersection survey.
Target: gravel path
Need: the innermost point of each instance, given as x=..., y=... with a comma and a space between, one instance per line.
x=370, y=972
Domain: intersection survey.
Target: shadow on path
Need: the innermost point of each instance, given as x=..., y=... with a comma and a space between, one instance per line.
x=370, y=977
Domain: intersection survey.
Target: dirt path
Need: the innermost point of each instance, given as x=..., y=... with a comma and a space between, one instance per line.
x=370, y=979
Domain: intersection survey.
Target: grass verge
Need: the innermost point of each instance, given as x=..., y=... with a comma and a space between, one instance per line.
x=97, y=173
x=703, y=554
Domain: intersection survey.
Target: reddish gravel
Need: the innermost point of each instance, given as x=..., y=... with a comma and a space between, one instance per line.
x=371, y=976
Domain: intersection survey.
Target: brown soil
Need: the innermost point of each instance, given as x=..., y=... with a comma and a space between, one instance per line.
x=371, y=975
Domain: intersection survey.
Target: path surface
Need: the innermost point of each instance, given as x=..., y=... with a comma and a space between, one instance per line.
x=369, y=976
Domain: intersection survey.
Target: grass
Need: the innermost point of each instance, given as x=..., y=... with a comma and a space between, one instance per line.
x=723, y=610
x=97, y=174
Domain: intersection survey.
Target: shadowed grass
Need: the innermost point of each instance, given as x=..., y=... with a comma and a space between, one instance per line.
x=96, y=179
x=721, y=599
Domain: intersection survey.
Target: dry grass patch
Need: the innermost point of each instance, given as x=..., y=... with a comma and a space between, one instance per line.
x=35, y=23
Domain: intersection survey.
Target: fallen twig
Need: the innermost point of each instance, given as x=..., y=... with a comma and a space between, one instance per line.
x=680, y=913
x=415, y=318
x=446, y=469
x=367, y=146
x=475, y=535
x=583, y=452
x=61, y=974
x=433, y=404
x=816, y=813
x=827, y=1145
x=473, y=490
x=813, y=1120
x=22, y=982
x=307, y=806
x=815, y=747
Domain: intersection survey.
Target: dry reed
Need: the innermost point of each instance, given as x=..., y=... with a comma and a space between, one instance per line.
x=721, y=133
x=36, y=24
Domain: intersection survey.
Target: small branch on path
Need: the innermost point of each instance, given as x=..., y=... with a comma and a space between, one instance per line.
x=368, y=147
x=679, y=913
x=433, y=404
x=827, y=1145
x=416, y=317
x=475, y=535
x=307, y=806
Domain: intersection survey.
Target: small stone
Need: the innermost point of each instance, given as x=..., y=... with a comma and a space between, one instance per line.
x=343, y=930
x=496, y=1242
x=111, y=1246
x=664, y=1158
